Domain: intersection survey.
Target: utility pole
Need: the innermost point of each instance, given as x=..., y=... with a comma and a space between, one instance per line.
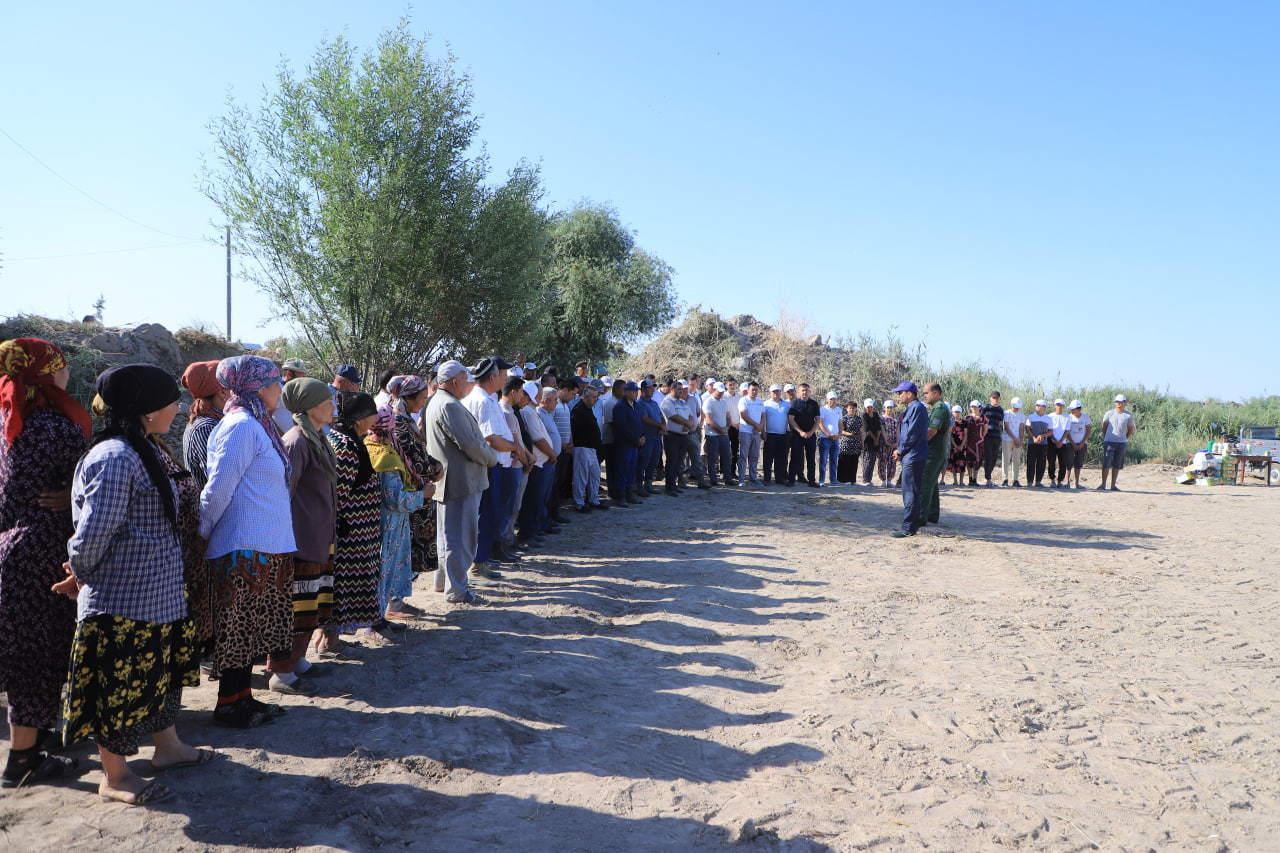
x=228, y=283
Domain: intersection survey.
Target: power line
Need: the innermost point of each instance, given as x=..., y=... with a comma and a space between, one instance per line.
x=105, y=252
x=96, y=201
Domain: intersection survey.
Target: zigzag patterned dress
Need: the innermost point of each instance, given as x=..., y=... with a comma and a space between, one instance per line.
x=357, y=553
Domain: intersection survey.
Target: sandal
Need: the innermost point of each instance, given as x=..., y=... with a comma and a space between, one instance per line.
x=204, y=755
x=153, y=793
x=243, y=715
x=299, y=687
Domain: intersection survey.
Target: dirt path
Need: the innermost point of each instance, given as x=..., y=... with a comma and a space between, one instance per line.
x=770, y=671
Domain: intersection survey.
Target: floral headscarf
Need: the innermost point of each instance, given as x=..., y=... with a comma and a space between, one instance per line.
x=404, y=386
x=245, y=376
x=384, y=431
x=27, y=366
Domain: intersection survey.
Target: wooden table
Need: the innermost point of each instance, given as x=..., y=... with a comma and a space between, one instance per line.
x=1243, y=462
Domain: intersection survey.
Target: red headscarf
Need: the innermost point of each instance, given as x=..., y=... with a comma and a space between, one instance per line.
x=200, y=378
x=27, y=366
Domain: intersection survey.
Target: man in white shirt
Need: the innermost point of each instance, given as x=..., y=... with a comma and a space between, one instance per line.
x=750, y=434
x=735, y=425
x=715, y=418
x=1059, y=445
x=1079, y=428
x=1117, y=428
x=483, y=405
x=679, y=441
x=828, y=437
x=1012, y=434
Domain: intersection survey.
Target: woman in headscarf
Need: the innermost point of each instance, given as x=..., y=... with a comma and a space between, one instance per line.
x=43, y=433
x=208, y=397
x=246, y=517
x=401, y=489
x=849, y=445
x=409, y=395
x=314, y=500
x=134, y=648
x=891, y=423
x=357, y=554
x=873, y=441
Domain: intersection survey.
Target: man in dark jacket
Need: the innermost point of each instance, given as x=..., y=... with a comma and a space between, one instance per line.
x=913, y=452
x=586, y=446
x=803, y=420
x=628, y=438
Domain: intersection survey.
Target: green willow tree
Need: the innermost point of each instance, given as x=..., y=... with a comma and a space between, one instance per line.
x=599, y=288
x=356, y=204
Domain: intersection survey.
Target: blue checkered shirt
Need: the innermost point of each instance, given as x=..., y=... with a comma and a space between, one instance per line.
x=124, y=549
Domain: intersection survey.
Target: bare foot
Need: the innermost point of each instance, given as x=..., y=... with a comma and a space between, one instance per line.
x=184, y=755
x=133, y=791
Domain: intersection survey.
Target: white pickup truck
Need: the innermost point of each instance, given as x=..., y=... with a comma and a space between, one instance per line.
x=1268, y=440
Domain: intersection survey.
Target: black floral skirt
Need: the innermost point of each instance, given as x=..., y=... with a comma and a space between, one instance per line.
x=122, y=672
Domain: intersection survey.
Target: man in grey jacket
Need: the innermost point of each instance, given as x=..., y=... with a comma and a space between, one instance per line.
x=454, y=437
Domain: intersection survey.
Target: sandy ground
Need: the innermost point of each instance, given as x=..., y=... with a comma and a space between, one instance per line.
x=768, y=670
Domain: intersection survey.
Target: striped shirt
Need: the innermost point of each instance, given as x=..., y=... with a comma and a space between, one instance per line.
x=195, y=447
x=124, y=549
x=561, y=415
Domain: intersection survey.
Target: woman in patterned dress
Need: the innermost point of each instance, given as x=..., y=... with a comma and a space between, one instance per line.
x=357, y=554
x=891, y=425
x=955, y=455
x=402, y=493
x=873, y=441
x=850, y=445
x=975, y=433
x=43, y=434
x=134, y=648
x=246, y=517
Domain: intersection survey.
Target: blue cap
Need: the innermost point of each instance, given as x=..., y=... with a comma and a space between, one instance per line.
x=631, y=386
x=349, y=372
x=907, y=386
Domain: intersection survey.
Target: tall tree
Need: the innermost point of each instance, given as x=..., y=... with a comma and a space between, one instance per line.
x=599, y=287
x=355, y=199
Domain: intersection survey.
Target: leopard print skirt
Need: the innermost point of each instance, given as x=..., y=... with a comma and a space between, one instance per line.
x=252, y=607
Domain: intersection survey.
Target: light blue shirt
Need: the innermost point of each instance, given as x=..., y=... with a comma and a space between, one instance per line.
x=245, y=504
x=775, y=422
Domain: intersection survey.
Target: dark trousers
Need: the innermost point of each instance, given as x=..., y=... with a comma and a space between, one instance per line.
x=804, y=453
x=1037, y=458
x=490, y=512
x=647, y=460
x=533, y=509
x=673, y=446
x=990, y=452
x=930, y=504
x=562, y=485
x=775, y=456
x=622, y=469
x=1059, y=460
x=609, y=468
x=733, y=450
x=913, y=478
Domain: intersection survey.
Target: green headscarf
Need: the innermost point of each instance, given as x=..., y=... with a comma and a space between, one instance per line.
x=298, y=396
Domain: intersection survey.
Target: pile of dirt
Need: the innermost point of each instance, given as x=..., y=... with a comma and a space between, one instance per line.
x=745, y=348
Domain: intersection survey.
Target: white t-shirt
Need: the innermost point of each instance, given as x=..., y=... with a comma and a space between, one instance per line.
x=1013, y=422
x=1076, y=428
x=1116, y=425
x=675, y=407
x=717, y=412
x=1059, y=423
x=537, y=432
x=755, y=410
x=831, y=419
x=735, y=417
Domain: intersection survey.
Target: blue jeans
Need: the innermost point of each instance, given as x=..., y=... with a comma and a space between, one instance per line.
x=510, y=491
x=912, y=480
x=828, y=450
x=533, y=510
x=719, y=456
x=647, y=459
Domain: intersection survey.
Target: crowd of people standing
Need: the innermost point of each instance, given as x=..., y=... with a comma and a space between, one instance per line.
x=127, y=569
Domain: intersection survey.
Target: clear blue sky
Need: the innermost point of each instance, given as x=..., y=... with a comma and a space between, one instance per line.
x=1087, y=191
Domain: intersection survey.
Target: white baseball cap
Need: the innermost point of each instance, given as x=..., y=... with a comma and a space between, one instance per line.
x=889, y=404
x=717, y=386
x=868, y=402
x=788, y=387
x=516, y=371
x=974, y=404
x=775, y=387
x=531, y=388
x=1041, y=403
x=450, y=369
x=956, y=409
x=832, y=395
x=607, y=381
x=1016, y=402
x=1120, y=398
x=1075, y=404
x=710, y=383
x=1059, y=402
x=683, y=383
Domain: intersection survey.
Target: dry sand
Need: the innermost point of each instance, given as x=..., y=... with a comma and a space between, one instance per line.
x=768, y=670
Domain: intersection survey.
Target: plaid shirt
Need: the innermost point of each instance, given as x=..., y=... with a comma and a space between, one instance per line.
x=124, y=550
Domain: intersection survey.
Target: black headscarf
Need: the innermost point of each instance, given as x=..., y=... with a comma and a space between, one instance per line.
x=129, y=392
x=353, y=406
